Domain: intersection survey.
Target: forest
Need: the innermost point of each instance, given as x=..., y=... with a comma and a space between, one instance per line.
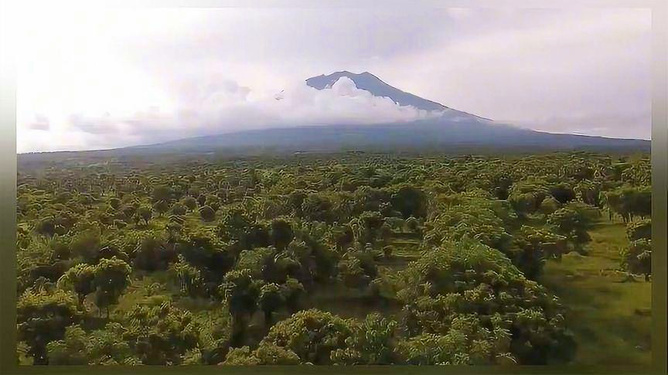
x=334, y=259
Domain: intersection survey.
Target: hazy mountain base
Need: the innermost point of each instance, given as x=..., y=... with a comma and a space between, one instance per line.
x=397, y=139
x=422, y=135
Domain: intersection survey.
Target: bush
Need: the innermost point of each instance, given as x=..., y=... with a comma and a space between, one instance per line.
x=637, y=258
x=460, y=279
x=179, y=209
x=641, y=229
x=207, y=214
x=311, y=334
x=190, y=203
x=44, y=316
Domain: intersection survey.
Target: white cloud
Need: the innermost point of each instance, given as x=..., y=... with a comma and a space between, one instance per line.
x=526, y=66
x=460, y=13
x=39, y=122
x=212, y=109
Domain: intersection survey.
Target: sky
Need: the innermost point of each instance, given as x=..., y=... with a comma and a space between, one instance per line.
x=95, y=79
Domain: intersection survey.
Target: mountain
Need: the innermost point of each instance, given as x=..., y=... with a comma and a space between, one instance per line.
x=371, y=83
x=374, y=85
x=423, y=135
x=449, y=130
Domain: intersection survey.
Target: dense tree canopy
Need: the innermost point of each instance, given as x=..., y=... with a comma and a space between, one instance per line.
x=347, y=259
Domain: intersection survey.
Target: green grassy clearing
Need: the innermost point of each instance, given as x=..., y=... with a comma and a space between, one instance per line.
x=610, y=318
x=406, y=249
x=347, y=302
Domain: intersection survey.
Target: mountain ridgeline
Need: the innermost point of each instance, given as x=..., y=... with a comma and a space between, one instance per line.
x=371, y=83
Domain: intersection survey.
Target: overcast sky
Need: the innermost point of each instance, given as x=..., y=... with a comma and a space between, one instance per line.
x=92, y=79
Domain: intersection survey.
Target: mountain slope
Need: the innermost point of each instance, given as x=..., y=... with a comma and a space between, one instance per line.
x=415, y=136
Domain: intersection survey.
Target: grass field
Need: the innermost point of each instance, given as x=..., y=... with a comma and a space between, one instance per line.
x=610, y=317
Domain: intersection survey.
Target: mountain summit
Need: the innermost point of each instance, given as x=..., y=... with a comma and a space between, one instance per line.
x=374, y=85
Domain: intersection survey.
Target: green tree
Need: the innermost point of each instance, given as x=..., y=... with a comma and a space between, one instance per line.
x=71, y=350
x=85, y=243
x=369, y=224
x=242, y=356
x=639, y=229
x=317, y=207
x=161, y=193
x=100, y=347
x=80, y=279
x=372, y=342
x=637, y=257
x=241, y=293
x=572, y=221
x=467, y=277
x=190, y=203
x=151, y=252
x=296, y=199
x=111, y=278
x=160, y=333
x=43, y=316
x=161, y=207
x=532, y=247
x=410, y=201
x=549, y=205
x=467, y=342
x=413, y=225
x=281, y=233
x=179, y=209
x=628, y=202
x=207, y=214
x=46, y=226
x=213, y=201
x=357, y=268
x=270, y=300
x=526, y=196
x=293, y=292
x=562, y=193
x=115, y=203
x=274, y=355
x=107, y=347
x=311, y=334
x=145, y=213
x=189, y=278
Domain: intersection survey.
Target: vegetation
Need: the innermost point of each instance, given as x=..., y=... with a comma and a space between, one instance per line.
x=347, y=259
x=599, y=295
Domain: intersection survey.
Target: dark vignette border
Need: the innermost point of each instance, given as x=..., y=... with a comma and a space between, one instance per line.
x=659, y=155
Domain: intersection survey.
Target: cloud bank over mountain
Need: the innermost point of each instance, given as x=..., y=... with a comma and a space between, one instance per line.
x=227, y=107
